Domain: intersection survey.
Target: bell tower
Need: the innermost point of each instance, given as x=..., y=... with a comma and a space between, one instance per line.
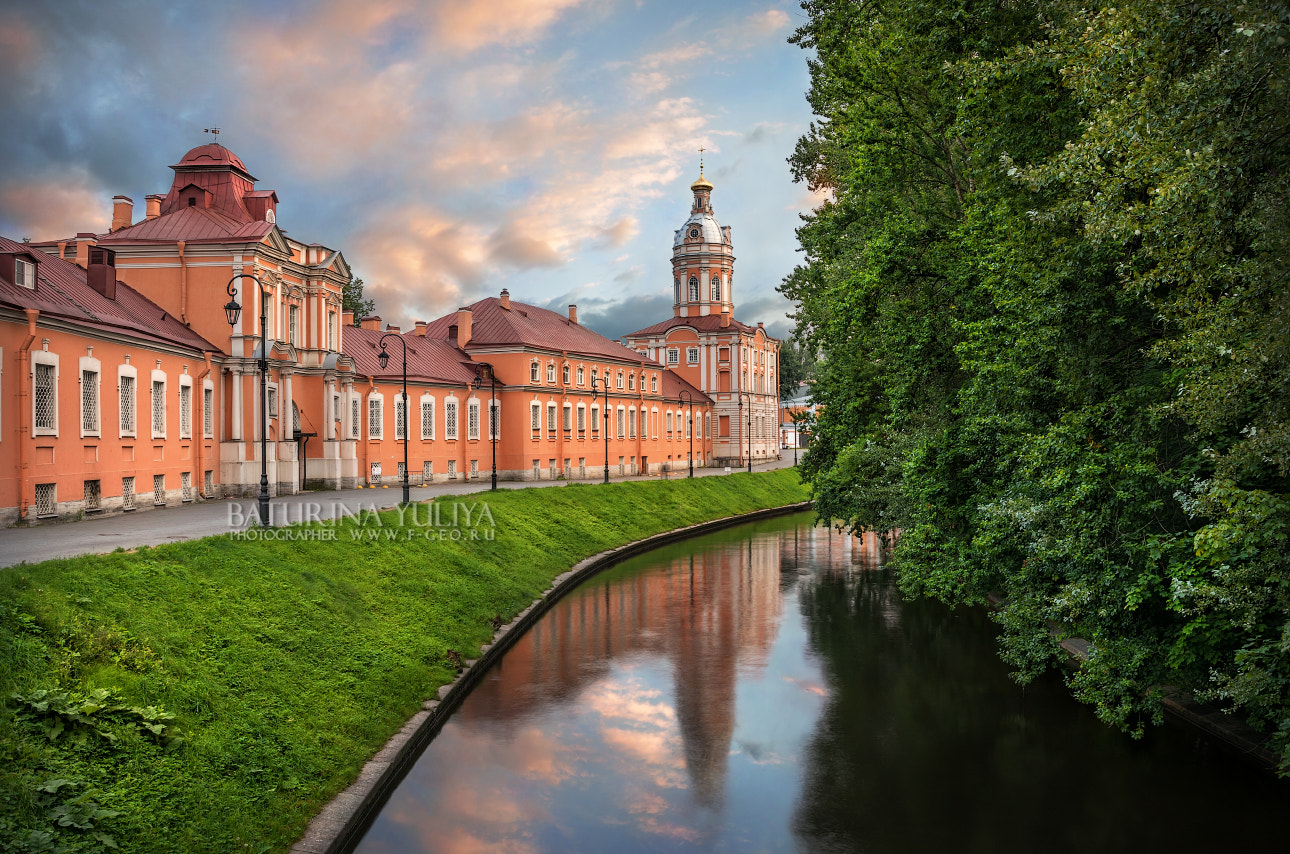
x=702, y=259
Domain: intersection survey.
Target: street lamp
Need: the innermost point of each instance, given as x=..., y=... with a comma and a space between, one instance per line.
x=232, y=311
x=492, y=409
x=686, y=398
x=384, y=358
x=604, y=392
x=748, y=395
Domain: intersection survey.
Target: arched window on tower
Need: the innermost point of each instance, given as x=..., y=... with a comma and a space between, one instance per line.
x=716, y=288
x=694, y=289
x=676, y=286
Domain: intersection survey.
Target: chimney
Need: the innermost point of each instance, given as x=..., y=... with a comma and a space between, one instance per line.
x=347, y=318
x=62, y=250
x=420, y=329
x=463, y=327
x=122, y=212
x=101, y=273
x=373, y=322
x=392, y=328
x=152, y=206
x=84, y=240
x=573, y=314
x=506, y=299
x=725, y=316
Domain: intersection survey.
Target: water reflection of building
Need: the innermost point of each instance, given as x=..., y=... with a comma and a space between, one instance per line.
x=709, y=614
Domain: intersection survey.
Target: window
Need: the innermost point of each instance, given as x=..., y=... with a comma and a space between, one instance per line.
x=694, y=289
x=452, y=464
x=158, y=408
x=186, y=485
x=692, y=355
x=568, y=417
x=89, y=403
x=582, y=418
x=427, y=471
x=474, y=466
x=185, y=410
x=565, y=374
x=550, y=373
x=331, y=330
x=427, y=417
x=631, y=382
x=208, y=484
x=127, y=493
x=653, y=384
x=472, y=418
x=621, y=414
x=676, y=288
x=450, y=419
x=400, y=419
x=533, y=372
x=716, y=288
x=208, y=412
x=43, y=397
x=353, y=418
x=158, y=489
x=125, y=393
x=631, y=423
x=46, y=500
x=494, y=419
x=673, y=355
x=595, y=418
x=273, y=401
x=550, y=418
x=374, y=416
x=620, y=379
x=669, y=422
x=24, y=274
x=293, y=325
x=93, y=496
x=535, y=416
x=582, y=375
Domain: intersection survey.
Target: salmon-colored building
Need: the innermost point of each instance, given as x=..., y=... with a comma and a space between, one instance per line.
x=733, y=363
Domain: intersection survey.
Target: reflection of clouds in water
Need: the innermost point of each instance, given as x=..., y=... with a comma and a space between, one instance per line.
x=630, y=701
x=758, y=754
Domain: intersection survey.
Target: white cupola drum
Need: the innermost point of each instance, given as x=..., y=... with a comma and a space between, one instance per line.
x=702, y=259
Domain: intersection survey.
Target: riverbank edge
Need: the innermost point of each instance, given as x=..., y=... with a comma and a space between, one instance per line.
x=1232, y=732
x=342, y=822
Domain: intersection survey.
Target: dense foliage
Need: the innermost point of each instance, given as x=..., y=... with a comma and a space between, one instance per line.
x=213, y=695
x=1050, y=291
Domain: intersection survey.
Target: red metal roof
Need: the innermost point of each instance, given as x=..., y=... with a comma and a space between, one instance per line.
x=210, y=155
x=674, y=383
x=196, y=225
x=62, y=291
x=530, y=326
x=706, y=323
x=429, y=359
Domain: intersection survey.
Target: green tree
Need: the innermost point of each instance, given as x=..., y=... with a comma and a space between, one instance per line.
x=351, y=296
x=795, y=366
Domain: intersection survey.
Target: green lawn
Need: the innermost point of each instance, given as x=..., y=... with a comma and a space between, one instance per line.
x=285, y=665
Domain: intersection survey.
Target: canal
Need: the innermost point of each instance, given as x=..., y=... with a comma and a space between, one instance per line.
x=766, y=688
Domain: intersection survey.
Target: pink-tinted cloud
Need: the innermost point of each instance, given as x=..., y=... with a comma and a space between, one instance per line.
x=467, y=25
x=56, y=208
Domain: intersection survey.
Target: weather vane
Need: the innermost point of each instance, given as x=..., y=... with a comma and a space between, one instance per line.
x=701, y=150
x=214, y=131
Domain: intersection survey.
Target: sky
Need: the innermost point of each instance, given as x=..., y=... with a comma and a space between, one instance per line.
x=449, y=148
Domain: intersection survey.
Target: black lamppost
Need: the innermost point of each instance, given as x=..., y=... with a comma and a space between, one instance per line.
x=604, y=392
x=686, y=398
x=492, y=409
x=384, y=358
x=748, y=395
x=232, y=311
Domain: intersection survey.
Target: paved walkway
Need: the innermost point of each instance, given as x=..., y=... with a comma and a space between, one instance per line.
x=202, y=519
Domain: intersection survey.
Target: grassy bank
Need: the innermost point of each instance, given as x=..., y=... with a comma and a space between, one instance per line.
x=284, y=664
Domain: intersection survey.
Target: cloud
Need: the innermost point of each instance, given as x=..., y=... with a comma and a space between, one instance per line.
x=508, y=246
x=762, y=131
x=467, y=25
x=54, y=207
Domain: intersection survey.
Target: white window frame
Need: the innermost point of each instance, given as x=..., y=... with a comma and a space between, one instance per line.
x=582, y=376
x=567, y=424
x=472, y=418
x=582, y=418
x=673, y=355
x=400, y=429
x=550, y=420
x=376, y=403
x=24, y=274
x=564, y=374
x=631, y=382
x=124, y=372
x=620, y=381
x=158, y=376
x=550, y=372
x=631, y=422
x=208, y=408
x=494, y=418
x=185, y=430
x=44, y=357
x=620, y=420
x=293, y=324
x=716, y=289
x=534, y=372
x=595, y=419
x=451, y=417
x=331, y=330
x=90, y=365
x=692, y=355
x=653, y=421
x=355, y=415
x=427, y=405
x=271, y=396
x=535, y=418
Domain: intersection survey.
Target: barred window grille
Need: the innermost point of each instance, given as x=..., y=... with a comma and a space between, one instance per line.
x=158, y=489
x=427, y=419
x=582, y=418
x=90, y=401
x=208, y=412
x=45, y=500
x=400, y=471
x=93, y=495
x=127, y=493
x=273, y=402
x=631, y=424
x=537, y=469
x=472, y=420
x=375, y=476
x=535, y=416
x=568, y=419
x=550, y=418
x=185, y=410
x=127, y=404
x=295, y=417
x=159, y=407
x=399, y=420
x=494, y=419
x=474, y=468
x=450, y=420
x=208, y=484
x=353, y=429
x=428, y=471
x=373, y=418
x=621, y=416
x=452, y=469
x=44, y=396
x=595, y=419
x=186, y=485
